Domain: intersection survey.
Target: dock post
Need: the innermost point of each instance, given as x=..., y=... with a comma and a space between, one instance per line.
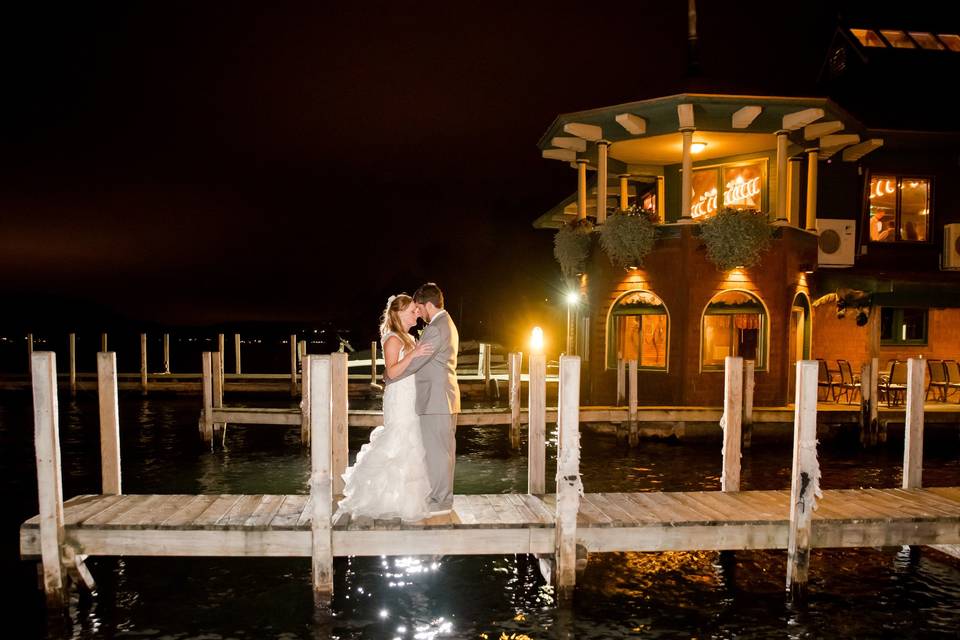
x=621, y=381
x=481, y=356
x=73, y=365
x=514, y=363
x=319, y=393
x=569, y=485
x=913, y=428
x=749, y=382
x=869, y=402
x=43, y=367
x=305, y=404
x=109, y=423
x=730, y=422
x=804, y=478
x=218, y=388
x=633, y=439
x=293, y=365
x=103, y=341
x=373, y=362
x=206, y=419
x=29, y=352
x=339, y=397
x=537, y=425
x=236, y=351
x=143, y=364
x=166, y=353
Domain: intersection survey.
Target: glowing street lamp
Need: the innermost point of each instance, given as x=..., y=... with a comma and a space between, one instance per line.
x=536, y=340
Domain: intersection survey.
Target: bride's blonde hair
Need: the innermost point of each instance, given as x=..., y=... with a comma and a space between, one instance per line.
x=390, y=320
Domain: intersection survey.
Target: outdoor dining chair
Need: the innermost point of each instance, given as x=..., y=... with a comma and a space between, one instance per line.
x=895, y=388
x=938, y=380
x=825, y=382
x=849, y=383
x=952, y=369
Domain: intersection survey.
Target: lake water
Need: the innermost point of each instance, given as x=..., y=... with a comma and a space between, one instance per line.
x=861, y=593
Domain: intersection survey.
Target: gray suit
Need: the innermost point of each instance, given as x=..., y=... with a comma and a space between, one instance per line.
x=438, y=402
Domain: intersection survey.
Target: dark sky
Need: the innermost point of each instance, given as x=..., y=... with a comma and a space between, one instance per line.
x=213, y=162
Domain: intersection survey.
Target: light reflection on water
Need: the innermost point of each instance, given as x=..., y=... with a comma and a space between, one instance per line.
x=660, y=595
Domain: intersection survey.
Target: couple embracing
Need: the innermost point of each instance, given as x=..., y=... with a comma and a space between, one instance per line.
x=406, y=469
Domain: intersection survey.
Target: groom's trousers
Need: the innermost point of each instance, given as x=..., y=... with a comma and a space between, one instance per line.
x=440, y=445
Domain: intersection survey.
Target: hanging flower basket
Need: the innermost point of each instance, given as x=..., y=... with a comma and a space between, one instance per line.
x=571, y=247
x=627, y=237
x=736, y=238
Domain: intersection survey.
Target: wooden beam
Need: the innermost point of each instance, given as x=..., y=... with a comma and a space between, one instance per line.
x=589, y=132
x=829, y=145
x=633, y=124
x=566, y=142
x=820, y=129
x=109, y=423
x=685, y=115
x=565, y=155
x=857, y=151
x=799, y=119
x=320, y=482
x=744, y=116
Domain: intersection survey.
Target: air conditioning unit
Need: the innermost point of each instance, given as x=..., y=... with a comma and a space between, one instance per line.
x=951, y=247
x=837, y=242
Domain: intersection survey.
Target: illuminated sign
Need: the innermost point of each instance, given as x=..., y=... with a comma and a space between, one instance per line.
x=742, y=189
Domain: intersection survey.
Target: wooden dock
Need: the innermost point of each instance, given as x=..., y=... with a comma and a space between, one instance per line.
x=550, y=525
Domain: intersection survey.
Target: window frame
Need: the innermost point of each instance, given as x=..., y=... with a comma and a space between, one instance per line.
x=763, y=341
x=610, y=359
x=719, y=169
x=900, y=177
x=897, y=325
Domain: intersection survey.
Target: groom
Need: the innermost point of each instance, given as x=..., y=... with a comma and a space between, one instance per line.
x=438, y=395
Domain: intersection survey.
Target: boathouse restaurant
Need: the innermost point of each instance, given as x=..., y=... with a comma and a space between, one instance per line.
x=860, y=216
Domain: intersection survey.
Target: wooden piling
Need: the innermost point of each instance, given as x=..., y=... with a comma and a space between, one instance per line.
x=373, y=362
x=73, y=365
x=537, y=425
x=143, y=364
x=749, y=382
x=103, y=341
x=30, y=352
x=804, y=478
x=913, y=429
x=569, y=486
x=621, y=381
x=236, y=351
x=634, y=428
x=481, y=357
x=109, y=423
x=206, y=421
x=514, y=362
x=732, y=414
x=339, y=443
x=218, y=387
x=43, y=366
x=305, y=405
x=321, y=494
x=293, y=364
x=166, y=353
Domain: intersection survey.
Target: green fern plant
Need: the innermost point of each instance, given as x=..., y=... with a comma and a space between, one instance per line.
x=736, y=238
x=627, y=237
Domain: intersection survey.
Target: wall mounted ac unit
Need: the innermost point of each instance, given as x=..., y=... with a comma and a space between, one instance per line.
x=951, y=247
x=837, y=241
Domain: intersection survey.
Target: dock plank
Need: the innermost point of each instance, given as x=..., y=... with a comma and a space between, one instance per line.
x=188, y=512
x=288, y=515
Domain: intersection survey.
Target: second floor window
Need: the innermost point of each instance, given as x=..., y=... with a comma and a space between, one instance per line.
x=898, y=208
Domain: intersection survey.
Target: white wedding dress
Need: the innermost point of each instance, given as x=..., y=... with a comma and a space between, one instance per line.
x=389, y=477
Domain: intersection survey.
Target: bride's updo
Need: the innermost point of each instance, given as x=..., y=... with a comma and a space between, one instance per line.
x=390, y=320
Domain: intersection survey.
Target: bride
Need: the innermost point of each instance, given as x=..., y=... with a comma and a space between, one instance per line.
x=389, y=477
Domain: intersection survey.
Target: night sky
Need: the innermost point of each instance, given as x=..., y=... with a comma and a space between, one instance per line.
x=194, y=163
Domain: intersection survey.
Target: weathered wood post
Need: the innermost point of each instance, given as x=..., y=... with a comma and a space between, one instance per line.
x=319, y=393
x=302, y=346
x=166, y=353
x=481, y=356
x=43, y=367
x=103, y=341
x=749, y=382
x=30, y=352
x=143, y=364
x=514, y=362
x=804, y=478
x=206, y=419
x=293, y=364
x=218, y=388
x=913, y=429
x=875, y=431
x=633, y=439
x=621, y=381
x=373, y=362
x=569, y=486
x=339, y=443
x=869, y=401
x=305, y=405
x=730, y=422
x=109, y=423
x=537, y=425
x=236, y=351
x=73, y=364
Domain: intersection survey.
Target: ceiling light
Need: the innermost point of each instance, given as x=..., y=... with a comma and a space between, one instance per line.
x=697, y=147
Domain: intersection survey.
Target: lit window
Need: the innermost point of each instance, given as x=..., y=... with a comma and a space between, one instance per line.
x=903, y=326
x=898, y=39
x=638, y=330
x=867, y=37
x=703, y=200
x=734, y=324
x=952, y=41
x=926, y=40
x=898, y=208
x=742, y=186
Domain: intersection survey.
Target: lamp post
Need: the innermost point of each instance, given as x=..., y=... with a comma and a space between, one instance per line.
x=573, y=299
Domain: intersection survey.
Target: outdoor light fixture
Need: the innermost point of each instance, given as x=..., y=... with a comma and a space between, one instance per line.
x=573, y=298
x=697, y=147
x=536, y=340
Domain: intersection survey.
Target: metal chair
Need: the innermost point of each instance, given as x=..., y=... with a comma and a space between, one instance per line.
x=938, y=380
x=896, y=384
x=825, y=381
x=952, y=369
x=849, y=383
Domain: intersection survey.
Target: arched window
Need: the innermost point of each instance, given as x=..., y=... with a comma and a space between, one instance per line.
x=734, y=324
x=638, y=329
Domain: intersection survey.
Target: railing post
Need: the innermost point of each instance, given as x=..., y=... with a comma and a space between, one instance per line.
x=621, y=381
x=633, y=439
x=514, y=362
x=537, y=425
x=103, y=341
x=732, y=413
x=218, y=388
x=569, y=486
x=913, y=429
x=481, y=356
x=293, y=364
x=804, y=478
x=236, y=351
x=166, y=353
x=304, y=404
x=319, y=393
x=43, y=367
x=373, y=362
x=339, y=397
x=109, y=423
x=30, y=352
x=749, y=382
x=73, y=364
x=206, y=419
x=143, y=364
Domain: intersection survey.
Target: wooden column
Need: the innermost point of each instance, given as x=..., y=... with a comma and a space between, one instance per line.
x=732, y=414
x=661, y=200
x=602, y=148
x=793, y=192
x=514, y=363
x=109, y=423
x=621, y=381
x=581, y=189
x=206, y=420
x=624, y=192
x=103, y=341
x=782, y=180
x=537, y=425
x=319, y=393
x=43, y=367
x=749, y=382
x=293, y=364
x=812, y=158
x=143, y=364
x=373, y=362
x=236, y=351
x=73, y=364
x=913, y=429
x=339, y=408
x=686, y=176
x=804, y=478
x=569, y=485
x=634, y=430
x=166, y=353
x=218, y=387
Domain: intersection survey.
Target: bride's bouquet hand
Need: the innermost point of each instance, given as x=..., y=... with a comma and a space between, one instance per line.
x=423, y=349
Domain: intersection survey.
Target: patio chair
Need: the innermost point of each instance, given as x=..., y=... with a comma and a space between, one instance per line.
x=849, y=383
x=825, y=382
x=896, y=385
x=952, y=369
x=938, y=380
